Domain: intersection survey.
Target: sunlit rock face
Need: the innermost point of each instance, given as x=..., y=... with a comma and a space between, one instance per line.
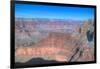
x=58, y=40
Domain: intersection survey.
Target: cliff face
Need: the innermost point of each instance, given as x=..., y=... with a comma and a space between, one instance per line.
x=34, y=40
x=29, y=31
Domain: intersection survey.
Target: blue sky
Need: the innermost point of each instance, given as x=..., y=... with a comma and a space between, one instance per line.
x=53, y=12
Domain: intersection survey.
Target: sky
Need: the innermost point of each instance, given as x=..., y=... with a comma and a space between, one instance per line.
x=53, y=12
